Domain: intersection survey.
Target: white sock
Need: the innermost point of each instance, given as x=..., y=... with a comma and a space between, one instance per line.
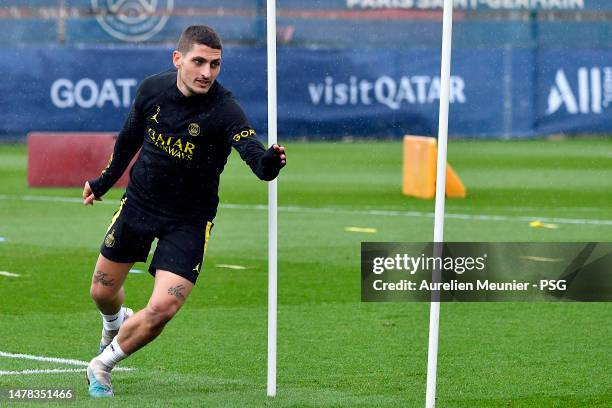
x=112, y=354
x=113, y=321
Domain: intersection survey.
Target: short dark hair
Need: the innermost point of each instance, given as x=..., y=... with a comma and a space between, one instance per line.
x=198, y=34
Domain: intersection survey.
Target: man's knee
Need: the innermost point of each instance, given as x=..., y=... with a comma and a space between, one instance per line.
x=103, y=288
x=160, y=313
x=101, y=293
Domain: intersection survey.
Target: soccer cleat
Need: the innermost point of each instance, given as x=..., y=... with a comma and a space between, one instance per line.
x=99, y=379
x=109, y=335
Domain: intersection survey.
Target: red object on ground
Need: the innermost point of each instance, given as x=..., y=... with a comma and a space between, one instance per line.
x=68, y=159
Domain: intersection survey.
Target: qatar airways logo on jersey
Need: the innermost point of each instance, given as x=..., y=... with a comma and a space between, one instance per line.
x=87, y=93
x=175, y=146
x=592, y=92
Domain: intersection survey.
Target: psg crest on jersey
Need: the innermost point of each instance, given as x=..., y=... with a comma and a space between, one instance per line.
x=132, y=20
x=109, y=241
x=194, y=129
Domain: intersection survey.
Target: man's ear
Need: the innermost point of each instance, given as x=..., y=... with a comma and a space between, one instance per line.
x=177, y=58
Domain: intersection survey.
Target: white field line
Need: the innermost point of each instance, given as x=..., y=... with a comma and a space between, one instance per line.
x=49, y=371
x=67, y=361
x=421, y=214
x=228, y=266
x=10, y=274
x=379, y=213
x=43, y=358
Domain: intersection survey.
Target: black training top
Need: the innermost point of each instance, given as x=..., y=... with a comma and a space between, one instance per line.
x=185, y=144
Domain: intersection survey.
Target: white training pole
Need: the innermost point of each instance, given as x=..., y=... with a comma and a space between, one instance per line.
x=272, y=200
x=434, y=314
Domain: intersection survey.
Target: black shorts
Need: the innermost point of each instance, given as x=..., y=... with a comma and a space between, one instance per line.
x=181, y=243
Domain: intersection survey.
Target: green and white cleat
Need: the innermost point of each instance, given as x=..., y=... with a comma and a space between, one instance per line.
x=109, y=335
x=99, y=379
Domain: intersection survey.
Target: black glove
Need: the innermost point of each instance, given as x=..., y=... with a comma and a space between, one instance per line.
x=272, y=161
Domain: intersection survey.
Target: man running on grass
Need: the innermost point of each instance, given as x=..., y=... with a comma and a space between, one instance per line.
x=186, y=124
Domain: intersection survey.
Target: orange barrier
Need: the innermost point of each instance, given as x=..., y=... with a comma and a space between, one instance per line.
x=62, y=159
x=419, y=170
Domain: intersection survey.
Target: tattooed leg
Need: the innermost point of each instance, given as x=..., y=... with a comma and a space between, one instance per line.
x=107, y=284
x=103, y=278
x=177, y=291
x=169, y=294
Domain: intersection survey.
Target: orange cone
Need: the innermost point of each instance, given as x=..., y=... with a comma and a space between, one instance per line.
x=419, y=170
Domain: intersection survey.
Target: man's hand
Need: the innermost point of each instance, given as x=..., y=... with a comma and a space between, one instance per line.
x=280, y=153
x=88, y=195
x=270, y=163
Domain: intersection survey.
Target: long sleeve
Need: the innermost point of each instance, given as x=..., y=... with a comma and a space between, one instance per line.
x=128, y=142
x=264, y=163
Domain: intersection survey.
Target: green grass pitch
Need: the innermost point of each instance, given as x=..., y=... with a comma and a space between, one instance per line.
x=332, y=349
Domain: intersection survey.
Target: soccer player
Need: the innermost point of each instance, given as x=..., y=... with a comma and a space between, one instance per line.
x=185, y=124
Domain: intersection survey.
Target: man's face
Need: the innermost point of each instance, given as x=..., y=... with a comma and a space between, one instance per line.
x=197, y=69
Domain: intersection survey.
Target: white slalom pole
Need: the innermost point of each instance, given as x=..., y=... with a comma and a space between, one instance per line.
x=272, y=200
x=434, y=314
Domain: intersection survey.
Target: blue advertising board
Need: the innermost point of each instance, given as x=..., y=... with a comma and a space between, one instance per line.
x=594, y=5
x=327, y=23
x=502, y=92
x=574, y=94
